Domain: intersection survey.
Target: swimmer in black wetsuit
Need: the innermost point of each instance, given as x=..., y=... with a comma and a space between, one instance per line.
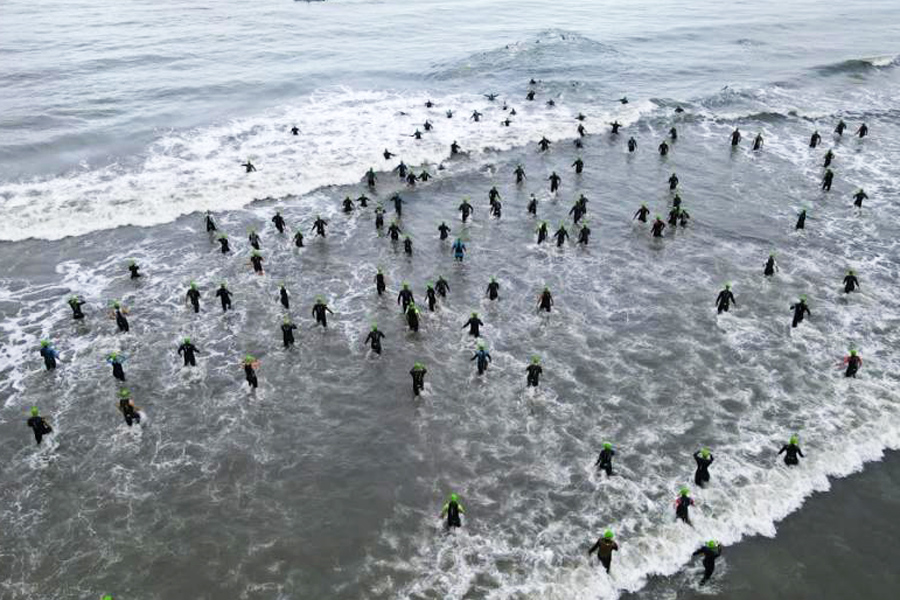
x=657, y=228
x=604, y=460
x=545, y=300
x=858, y=198
x=75, y=303
x=758, y=142
x=735, y=137
x=673, y=181
x=519, y=173
x=800, y=309
x=452, y=510
x=279, y=221
x=704, y=458
x=533, y=372
x=493, y=289
x=319, y=311
x=770, y=267
x=442, y=286
x=134, y=268
x=128, y=409
x=554, y=180
x=49, y=354
x=814, y=139
x=379, y=282
x=187, y=350
x=641, y=214
x=827, y=180
x=532, y=206
x=374, y=339
x=193, y=296
x=725, y=299
x=38, y=425
x=223, y=244
x=711, y=551
x=851, y=283
x=444, y=230
x=791, y=450
x=418, y=377
x=250, y=364
x=474, y=323
x=283, y=296
x=287, y=332
x=224, y=296
x=210, y=224
x=682, y=506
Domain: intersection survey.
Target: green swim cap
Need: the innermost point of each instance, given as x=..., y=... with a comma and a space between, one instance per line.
x=712, y=544
x=454, y=497
x=115, y=304
x=193, y=285
x=186, y=340
x=73, y=298
x=475, y=314
x=287, y=320
x=34, y=411
x=107, y=597
x=405, y=286
x=850, y=272
x=608, y=534
x=223, y=284
x=793, y=439
x=248, y=358
x=44, y=343
x=481, y=345
x=852, y=351
x=728, y=285
x=535, y=359
x=607, y=446
x=124, y=393
x=131, y=263
x=684, y=491
x=320, y=299
x=704, y=452
x=113, y=355
x=223, y=236
x=256, y=253
x=803, y=297
x=493, y=279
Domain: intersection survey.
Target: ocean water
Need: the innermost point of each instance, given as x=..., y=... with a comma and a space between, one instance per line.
x=121, y=124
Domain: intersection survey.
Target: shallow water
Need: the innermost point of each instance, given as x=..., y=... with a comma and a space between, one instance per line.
x=327, y=481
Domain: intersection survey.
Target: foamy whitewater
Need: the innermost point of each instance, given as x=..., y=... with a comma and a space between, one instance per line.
x=327, y=482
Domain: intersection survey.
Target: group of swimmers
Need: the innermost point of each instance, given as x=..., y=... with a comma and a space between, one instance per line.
x=452, y=510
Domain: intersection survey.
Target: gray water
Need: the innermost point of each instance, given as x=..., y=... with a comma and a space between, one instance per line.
x=123, y=123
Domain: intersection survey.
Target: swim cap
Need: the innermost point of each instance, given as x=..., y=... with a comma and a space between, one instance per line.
x=728, y=285
x=454, y=497
x=481, y=345
x=131, y=263
x=793, y=439
x=684, y=491
x=44, y=343
x=850, y=272
x=223, y=237
x=712, y=544
x=116, y=304
x=34, y=411
x=607, y=446
x=535, y=359
x=223, y=284
x=608, y=534
x=256, y=253
x=186, y=340
x=493, y=279
x=704, y=452
x=193, y=285
x=852, y=351
x=319, y=299
x=124, y=393
x=475, y=315
x=405, y=286
x=107, y=597
x=113, y=355
x=281, y=284
x=287, y=320
x=73, y=299
x=803, y=297
x=248, y=358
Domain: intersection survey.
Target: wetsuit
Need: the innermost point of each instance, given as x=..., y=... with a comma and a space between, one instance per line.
x=724, y=300
x=128, y=411
x=533, y=374
x=210, y=224
x=410, y=181
x=673, y=181
x=287, y=334
x=854, y=362
x=496, y=209
x=476, y=116
x=709, y=560
x=829, y=156
x=673, y=216
x=758, y=142
x=683, y=217
x=279, y=222
x=545, y=302
x=735, y=137
x=676, y=200
x=493, y=290
x=800, y=309
x=604, y=549
x=473, y=324
x=791, y=451
x=641, y=214
x=405, y=298
x=801, y=220
x=466, y=209
x=444, y=230
x=542, y=233
x=134, y=271
x=863, y=131
x=121, y=322
x=827, y=179
x=814, y=139
x=430, y=298
x=615, y=126
x=452, y=510
x=459, y=250
x=663, y=148
x=412, y=317
x=561, y=236
x=250, y=375
x=379, y=283
x=858, y=198
x=256, y=261
x=532, y=206
x=76, y=304
x=850, y=283
x=371, y=178
x=118, y=370
x=187, y=350
x=224, y=295
x=682, y=505
x=442, y=287
x=319, y=311
x=418, y=379
x=194, y=296
x=295, y=130
x=224, y=246
x=701, y=475
x=40, y=427
x=319, y=226
x=673, y=133
x=584, y=234
x=520, y=174
x=483, y=357
x=254, y=240
x=632, y=144
x=604, y=461
x=348, y=205
x=374, y=339
x=577, y=211
x=544, y=144
x=283, y=297
x=49, y=355
x=657, y=228
x=530, y=95
x=394, y=231
x=379, y=218
x=841, y=126
x=363, y=200
x=770, y=267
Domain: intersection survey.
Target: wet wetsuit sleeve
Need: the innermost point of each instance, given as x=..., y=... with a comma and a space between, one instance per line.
x=783, y=450
x=595, y=547
x=800, y=452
